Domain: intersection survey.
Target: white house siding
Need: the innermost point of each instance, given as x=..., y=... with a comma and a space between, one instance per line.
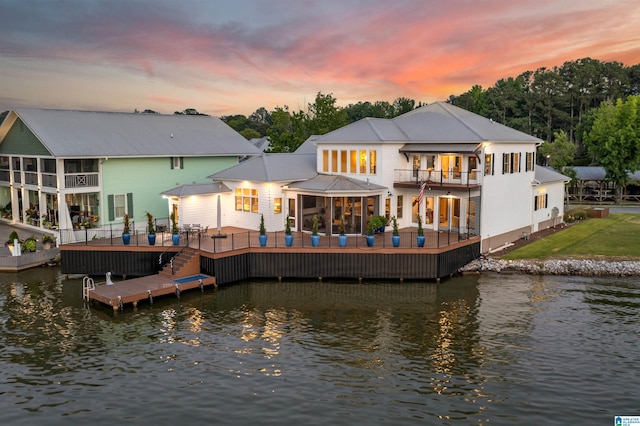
x=543, y=218
x=507, y=203
x=267, y=193
x=199, y=209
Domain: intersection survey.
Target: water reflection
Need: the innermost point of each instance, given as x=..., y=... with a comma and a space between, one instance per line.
x=472, y=350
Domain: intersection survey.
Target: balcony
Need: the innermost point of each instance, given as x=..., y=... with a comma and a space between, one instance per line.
x=81, y=180
x=452, y=179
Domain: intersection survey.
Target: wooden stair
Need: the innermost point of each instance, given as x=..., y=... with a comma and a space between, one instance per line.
x=186, y=263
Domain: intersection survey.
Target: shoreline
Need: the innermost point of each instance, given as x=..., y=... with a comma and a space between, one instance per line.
x=594, y=268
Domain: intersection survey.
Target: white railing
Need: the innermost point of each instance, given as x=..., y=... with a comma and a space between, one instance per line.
x=81, y=180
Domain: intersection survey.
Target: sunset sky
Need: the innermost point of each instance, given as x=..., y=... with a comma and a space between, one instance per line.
x=232, y=57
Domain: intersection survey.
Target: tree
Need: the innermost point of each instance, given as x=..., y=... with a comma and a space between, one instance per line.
x=249, y=133
x=189, y=111
x=287, y=132
x=558, y=153
x=324, y=116
x=403, y=105
x=615, y=140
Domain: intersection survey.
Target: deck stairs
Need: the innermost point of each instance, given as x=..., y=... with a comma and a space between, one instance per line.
x=185, y=263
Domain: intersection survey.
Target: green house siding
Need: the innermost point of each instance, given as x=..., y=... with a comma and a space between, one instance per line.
x=146, y=178
x=20, y=141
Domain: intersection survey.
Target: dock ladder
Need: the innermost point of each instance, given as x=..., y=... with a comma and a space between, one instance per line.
x=87, y=286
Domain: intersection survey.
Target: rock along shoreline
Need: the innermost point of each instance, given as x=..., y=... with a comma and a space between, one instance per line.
x=595, y=268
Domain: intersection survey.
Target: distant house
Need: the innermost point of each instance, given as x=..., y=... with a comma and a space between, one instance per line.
x=457, y=171
x=60, y=168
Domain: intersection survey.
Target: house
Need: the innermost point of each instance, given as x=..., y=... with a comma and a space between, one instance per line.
x=60, y=168
x=455, y=170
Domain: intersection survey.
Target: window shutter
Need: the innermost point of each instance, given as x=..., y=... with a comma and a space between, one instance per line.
x=130, y=204
x=546, y=197
x=504, y=160
x=535, y=203
x=171, y=163
x=493, y=164
x=110, y=208
x=182, y=162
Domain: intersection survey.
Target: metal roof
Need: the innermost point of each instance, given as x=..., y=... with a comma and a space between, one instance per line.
x=197, y=189
x=277, y=167
x=598, y=173
x=336, y=183
x=459, y=148
x=548, y=175
x=438, y=122
x=66, y=133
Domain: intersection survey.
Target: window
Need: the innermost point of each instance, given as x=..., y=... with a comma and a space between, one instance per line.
x=353, y=162
x=343, y=161
x=325, y=160
x=246, y=200
x=540, y=202
x=277, y=205
x=488, y=164
x=515, y=162
x=119, y=204
x=372, y=161
x=387, y=208
x=334, y=161
x=177, y=163
x=363, y=162
x=399, y=207
x=506, y=163
x=531, y=159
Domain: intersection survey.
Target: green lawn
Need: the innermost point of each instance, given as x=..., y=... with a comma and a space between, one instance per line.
x=616, y=237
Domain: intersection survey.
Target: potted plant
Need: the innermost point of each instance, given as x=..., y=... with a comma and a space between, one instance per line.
x=420, y=237
x=29, y=245
x=371, y=230
x=315, y=238
x=263, y=232
x=11, y=241
x=342, y=235
x=126, y=232
x=395, y=238
x=380, y=222
x=288, y=238
x=151, y=230
x=175, y=231
x=47, y=241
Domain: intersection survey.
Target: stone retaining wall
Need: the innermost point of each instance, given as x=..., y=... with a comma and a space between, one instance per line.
x=556, y=267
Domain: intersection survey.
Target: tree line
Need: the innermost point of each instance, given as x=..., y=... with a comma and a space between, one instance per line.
x=586, y=111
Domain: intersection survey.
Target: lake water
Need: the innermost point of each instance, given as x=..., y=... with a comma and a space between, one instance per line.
x=494, y=349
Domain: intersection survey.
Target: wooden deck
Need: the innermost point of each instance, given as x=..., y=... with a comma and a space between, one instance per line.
x=146, y=288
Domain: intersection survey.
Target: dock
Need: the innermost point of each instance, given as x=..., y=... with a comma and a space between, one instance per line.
x=147, y=288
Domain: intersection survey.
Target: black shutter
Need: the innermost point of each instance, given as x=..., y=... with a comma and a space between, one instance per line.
x=535, y=203
x=110, y=208
x=130, y=204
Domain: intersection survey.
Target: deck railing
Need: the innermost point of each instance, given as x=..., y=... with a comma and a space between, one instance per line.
x=216, y=243
x=437, y=177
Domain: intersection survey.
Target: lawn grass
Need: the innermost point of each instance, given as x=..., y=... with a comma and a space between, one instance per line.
x=616, y=237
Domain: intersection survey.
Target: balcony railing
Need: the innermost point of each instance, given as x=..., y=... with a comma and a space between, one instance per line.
x=438, y=177
x=81, y=180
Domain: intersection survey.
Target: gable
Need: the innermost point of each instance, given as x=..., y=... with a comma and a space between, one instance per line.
x=19, y=140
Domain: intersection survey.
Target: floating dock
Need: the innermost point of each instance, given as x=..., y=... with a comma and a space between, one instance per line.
x=147, y=288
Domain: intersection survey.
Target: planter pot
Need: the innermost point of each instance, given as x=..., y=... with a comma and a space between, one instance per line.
x=288, y=240
x=263, y=239
x=152, y=239
x=315, y=240
x=126, y=239
x=370, y=240
x=175, y=239
x=420, y=239
x=395, y=239
x=46, y=245
x=342, y=240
